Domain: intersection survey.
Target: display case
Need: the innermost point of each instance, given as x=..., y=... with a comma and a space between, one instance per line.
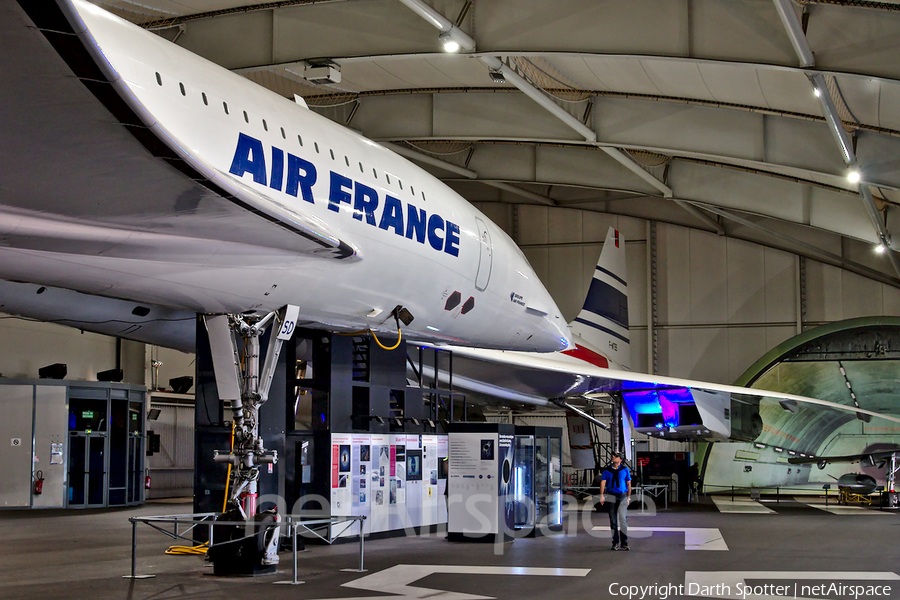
x=537, y=484
x=523, y=483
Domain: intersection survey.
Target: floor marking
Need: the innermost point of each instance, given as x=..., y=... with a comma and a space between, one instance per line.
x=695, y=538
x=838, y=509
x=397, y=580
x=732, y=584
x=741, y=505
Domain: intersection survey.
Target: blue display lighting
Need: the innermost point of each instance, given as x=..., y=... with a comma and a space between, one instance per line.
x=663, y=404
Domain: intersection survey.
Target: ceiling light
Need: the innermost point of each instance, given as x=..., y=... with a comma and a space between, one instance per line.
x=853, y=176
x=498, y=77
x=450, y=45
x=880, y=248
x=817, y=92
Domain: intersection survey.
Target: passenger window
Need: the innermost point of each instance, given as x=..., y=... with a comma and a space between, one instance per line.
x=246, y=118
x=205, y=101
x=388, y=177
x=265, y=125
x=283, y=135
x=423, y=197
x=361, y=168
x=401, y=184
x=316, y=144
x=225, y=106
x=332, y=154
x=374, y=172
x=412, y=190
x=158, y=79
x=300, y=139
x=347, y=160
x=181, y=85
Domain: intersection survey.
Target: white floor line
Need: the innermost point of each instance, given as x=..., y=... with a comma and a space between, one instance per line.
x=398, y=580
x=741, y=505
x=839, y=509
x=695, y=538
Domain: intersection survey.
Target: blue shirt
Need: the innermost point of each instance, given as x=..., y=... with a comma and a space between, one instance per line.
x=616, y=479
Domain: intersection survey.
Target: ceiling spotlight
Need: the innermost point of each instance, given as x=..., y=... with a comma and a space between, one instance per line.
x=450, y=45
x=880, y=248
x=497, y=76
x=853, y=176
x=817, y=92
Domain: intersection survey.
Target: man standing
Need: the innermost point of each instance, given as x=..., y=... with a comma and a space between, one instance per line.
x=618, y=478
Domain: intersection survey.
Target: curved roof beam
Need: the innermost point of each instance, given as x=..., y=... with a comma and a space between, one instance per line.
x=797, y=35
x=784, y=146
x=738, y=30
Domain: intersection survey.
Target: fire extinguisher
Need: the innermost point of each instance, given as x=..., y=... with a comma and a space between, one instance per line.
x=38, y=483
x=147, y=479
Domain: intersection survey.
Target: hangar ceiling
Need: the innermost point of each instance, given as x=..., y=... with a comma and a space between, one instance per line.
x=702, y=113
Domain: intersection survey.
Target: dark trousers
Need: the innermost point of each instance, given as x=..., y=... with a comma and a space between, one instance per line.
x=618, y=518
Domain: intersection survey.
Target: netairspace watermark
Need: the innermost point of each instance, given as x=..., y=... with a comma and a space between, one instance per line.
x=483, y=509
x=746, y=591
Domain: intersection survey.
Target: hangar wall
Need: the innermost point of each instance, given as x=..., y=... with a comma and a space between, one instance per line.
x=29, y=345
x=721, y=302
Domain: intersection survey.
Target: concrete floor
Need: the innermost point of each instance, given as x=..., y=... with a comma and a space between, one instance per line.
x=84, y=554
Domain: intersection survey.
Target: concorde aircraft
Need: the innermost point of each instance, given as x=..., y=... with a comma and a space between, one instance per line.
x=153, y=185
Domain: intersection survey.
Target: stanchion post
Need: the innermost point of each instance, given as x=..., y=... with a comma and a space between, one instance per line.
x=294, y=550
x=134, y=574
x=133, y=548
x=293, y=530
x=362, y=538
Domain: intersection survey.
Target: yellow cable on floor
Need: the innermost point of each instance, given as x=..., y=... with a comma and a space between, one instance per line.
x=188, y=550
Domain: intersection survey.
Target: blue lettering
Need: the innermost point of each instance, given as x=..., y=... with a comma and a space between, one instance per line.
x=452, y=245
x=365, y=201
x=392, y=215
x=301, y=174
x=338, y=194
x=415, y=224
x=249, y=158
x=435, y=224
x=277, y=175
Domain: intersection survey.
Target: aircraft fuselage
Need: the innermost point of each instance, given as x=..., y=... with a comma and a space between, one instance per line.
x=372, y=230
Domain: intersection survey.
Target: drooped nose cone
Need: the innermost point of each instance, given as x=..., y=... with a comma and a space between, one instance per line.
x=553, y=330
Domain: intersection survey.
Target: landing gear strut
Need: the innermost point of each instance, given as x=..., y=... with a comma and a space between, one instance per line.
x=234, y=341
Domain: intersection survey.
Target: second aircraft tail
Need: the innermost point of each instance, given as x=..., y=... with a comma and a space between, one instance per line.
x=603, y=320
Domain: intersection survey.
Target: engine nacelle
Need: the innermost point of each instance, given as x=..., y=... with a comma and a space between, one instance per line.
x=691, y=414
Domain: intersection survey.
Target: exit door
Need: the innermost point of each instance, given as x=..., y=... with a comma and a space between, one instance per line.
x=87, y=469
x=485, y=258
x=88, y=452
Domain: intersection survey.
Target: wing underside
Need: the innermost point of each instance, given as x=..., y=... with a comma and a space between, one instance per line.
x=76, y=157
x=663, y=406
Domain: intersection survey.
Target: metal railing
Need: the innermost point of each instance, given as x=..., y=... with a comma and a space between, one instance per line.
x=295, y=524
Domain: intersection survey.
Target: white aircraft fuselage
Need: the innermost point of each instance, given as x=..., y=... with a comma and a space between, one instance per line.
x=372, y=230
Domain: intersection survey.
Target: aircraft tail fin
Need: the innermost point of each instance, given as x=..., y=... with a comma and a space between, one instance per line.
x=603, y=320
